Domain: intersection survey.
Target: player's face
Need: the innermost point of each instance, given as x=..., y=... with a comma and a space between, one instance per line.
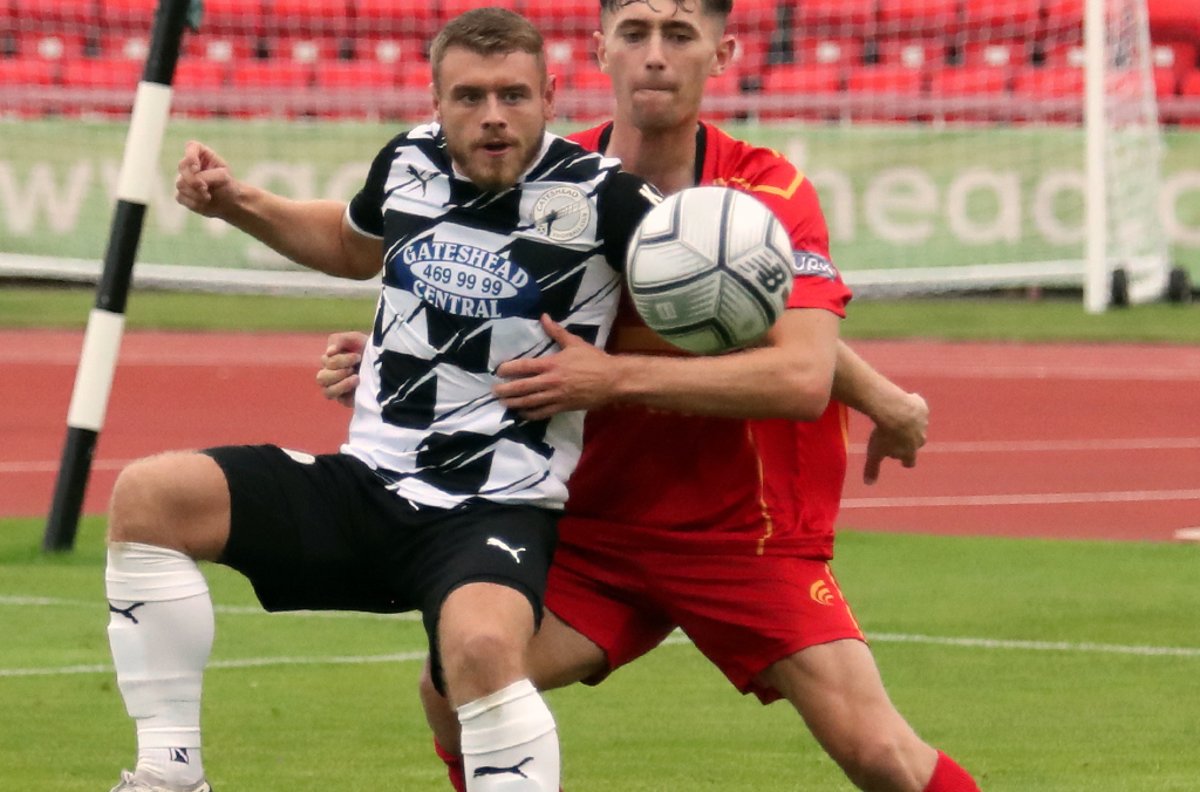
x=493, y=110
x=659, y=53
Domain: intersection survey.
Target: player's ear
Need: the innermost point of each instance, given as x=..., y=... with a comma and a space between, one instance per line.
x=601, y=51
x=726, y=48
x=437, y=104
x=548, y=97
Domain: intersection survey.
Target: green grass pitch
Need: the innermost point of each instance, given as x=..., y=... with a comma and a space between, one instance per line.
x=1085, y=677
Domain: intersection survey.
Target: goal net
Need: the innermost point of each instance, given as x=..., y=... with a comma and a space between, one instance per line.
x=947, y=139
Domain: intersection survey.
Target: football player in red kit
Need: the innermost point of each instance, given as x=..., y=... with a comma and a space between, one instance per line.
x=706, y=496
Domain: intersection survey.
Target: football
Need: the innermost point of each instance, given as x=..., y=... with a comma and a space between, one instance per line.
x=710, y=269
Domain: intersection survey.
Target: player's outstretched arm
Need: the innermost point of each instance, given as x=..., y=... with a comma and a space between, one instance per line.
x=338, y=375
x=901, y=418
x=790, y=376
x=312, y=233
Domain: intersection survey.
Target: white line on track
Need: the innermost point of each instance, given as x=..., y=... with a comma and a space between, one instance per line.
x=936, y=447
x=1021, y=499
x=1050, y=446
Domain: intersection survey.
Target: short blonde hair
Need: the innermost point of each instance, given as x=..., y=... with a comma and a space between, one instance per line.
x=488, y=31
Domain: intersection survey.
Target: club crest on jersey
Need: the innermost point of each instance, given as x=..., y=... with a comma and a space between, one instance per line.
x=562, y=213
x=805, y=263
x=465, y=280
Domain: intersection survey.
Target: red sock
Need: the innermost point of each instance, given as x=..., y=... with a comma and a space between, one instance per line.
x=454, y=767
x=949, y=777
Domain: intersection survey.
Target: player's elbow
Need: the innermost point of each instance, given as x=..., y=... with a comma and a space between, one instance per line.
x=806, y=394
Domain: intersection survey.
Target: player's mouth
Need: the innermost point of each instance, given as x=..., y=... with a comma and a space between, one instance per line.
x=496, y=148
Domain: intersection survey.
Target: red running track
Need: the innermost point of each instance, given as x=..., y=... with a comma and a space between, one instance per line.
x=1096, y=442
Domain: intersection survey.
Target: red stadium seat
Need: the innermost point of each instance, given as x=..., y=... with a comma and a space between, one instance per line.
x=27, y=71
x=1178, y=55
x=751, y=50
x=961, y=86
x=396, y=18
x=589, y=79
x=102, y=73
x=995, y=54
x=891, y=88
x=22, y=84
x=191, y=74
x=271, y=74
x=912, y=53
x=130, y=46
x=848, y=51
x=753, y=16
x=271, y=88
x=304, y=49
x=448, y=9
x=50, y=46
x=75, y=16
x=232, y=17
x=1062, y=21
x=1166, y=82
x=561, y=17
x=391, y=50
x=568, y=52
x=1000, y=20
x=306, y=18
x=1052, y=93
x=913, y=17
x=128, y=16
x=353, y=88
x=835, y=18
x=785, y=88
x=1189, y=84
x=220, y=48
x=716, y=93
x=1174, y=19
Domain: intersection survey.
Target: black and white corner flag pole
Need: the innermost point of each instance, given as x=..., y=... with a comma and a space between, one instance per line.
x=106, y=322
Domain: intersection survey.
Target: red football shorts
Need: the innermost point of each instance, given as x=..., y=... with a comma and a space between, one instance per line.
x=743, y=612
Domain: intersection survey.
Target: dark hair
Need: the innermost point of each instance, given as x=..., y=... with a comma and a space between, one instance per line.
x=488, y=31
x=721, y=8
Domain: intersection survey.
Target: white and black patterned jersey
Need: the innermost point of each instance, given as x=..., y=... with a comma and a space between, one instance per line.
x=467, y=274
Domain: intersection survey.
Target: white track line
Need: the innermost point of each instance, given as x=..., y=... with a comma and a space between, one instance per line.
x=1022, y=499
x=1050, y=446
x=935, y=447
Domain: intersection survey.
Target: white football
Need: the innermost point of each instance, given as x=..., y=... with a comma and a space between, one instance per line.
x=710, y=269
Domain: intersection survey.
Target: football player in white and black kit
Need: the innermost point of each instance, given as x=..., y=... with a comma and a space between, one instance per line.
x=492, y=236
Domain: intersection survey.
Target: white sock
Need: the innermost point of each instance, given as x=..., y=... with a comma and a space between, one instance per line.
x=509, y=743
x=161, y=632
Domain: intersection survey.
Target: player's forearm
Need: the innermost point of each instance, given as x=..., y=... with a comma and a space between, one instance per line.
x=860, y=387
x=307, y=232
x=758, y=383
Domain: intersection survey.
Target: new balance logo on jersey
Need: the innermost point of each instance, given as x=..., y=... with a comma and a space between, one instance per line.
x=514, y=770
x=126, y=612
x=180, y=755
x=515, y=553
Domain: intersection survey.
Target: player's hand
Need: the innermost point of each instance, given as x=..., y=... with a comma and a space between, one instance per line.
x=578, y=377
x=205, y=184
x=899, y=438
x=338, y=375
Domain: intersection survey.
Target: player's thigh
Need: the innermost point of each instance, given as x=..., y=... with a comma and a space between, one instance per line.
x=559, y=655
x=745, y=613
x=178, y=500
x=837, y=689
x=306, y=530
x=598, y=592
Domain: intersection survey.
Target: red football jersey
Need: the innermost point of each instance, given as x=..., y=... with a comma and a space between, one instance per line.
x=730, y=485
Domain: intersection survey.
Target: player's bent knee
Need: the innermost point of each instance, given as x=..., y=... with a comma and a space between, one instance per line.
x=178, y=500
x=482, y=662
